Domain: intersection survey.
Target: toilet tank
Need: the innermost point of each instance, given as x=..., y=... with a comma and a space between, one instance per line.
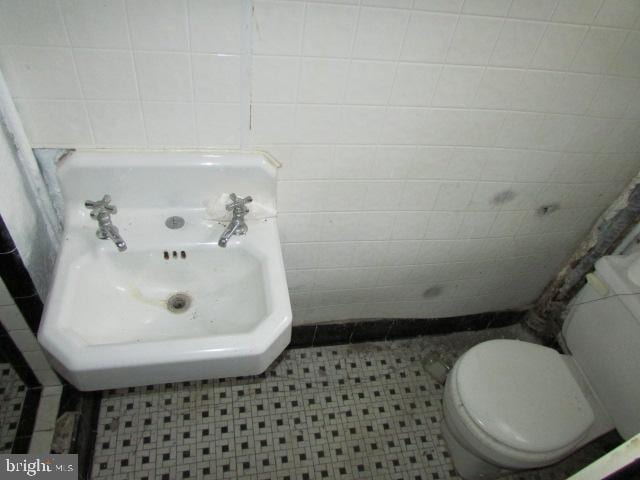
x=602, y=332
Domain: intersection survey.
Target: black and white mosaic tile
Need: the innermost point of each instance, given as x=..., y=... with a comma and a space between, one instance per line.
x=358, y=411
x=12, y=395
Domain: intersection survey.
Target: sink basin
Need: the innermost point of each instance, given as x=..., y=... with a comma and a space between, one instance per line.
x=145, y=286
x=173, y=306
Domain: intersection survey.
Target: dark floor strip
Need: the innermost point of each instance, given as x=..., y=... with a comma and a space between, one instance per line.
x=87, y=406
x=390, y=329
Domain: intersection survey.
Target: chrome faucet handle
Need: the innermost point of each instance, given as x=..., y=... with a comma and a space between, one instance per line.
x=238, y=202
x=99, y=207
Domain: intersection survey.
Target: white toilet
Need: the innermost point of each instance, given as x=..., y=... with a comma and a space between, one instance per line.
x=511, y=405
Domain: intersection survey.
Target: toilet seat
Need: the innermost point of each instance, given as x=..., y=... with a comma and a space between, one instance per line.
x=540, y=415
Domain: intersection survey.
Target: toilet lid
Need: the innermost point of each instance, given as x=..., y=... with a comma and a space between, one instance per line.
x=523, y=395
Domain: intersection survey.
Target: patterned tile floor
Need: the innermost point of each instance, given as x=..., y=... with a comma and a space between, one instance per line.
x=360, y=411
x=12, y=393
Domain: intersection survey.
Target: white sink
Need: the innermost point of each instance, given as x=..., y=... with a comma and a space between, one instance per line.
x=117, y=319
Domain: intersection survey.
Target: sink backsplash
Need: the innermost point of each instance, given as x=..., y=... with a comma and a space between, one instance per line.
x=179, y=180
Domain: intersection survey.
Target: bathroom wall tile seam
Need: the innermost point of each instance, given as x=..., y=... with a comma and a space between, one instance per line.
x=406, y=241
x=412, y=261
x=364, y=242
x=396, y=65
x=352, y=48
x=398, y=297
x=302, y=297
x=135, y=75
x=425, y=63
x=317, y=211
x=425, y=146
x=519, y=225
x=473, y=202
x=435, y=180
x=324, y=271
x=346, y=107
x=523, y=145
x=337, y=265
x=247, y=101
x=458, y=12
x=286, y=141
x=407, y=61
x=388, y=103
x=440, y=109
x=298, y=70
x=76, y=74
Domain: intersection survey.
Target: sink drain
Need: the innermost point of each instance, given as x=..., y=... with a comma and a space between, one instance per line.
x=178, y=303
x=174, y=222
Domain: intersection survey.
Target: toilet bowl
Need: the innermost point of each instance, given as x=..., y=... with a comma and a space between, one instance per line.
x=512, y=405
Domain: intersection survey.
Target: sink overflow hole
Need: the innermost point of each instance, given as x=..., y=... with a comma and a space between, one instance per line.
x=174, y=254
x=178, y=303
x=174, y=222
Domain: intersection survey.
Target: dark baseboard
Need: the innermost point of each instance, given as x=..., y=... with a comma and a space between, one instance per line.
x=376, y=330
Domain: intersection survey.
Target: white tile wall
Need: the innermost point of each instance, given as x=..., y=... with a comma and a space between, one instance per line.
x=418, y=137
x=45, y=422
